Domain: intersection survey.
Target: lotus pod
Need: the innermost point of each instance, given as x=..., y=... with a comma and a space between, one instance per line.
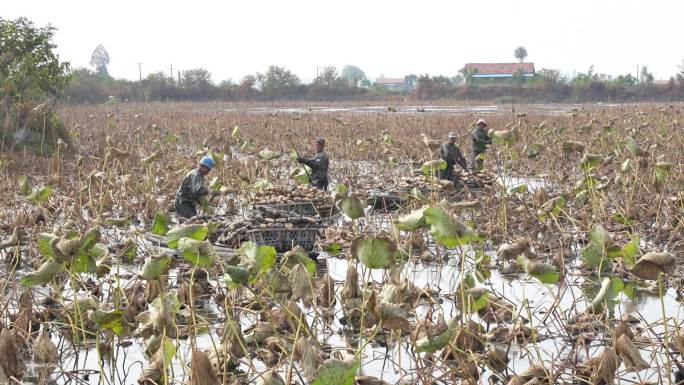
x=260, y=332
x=511, y=251
x=623, y=328
x=221, y=360
x=301, y=284
x=591, y=160
x=326, y=295
x=201, y=371
x=516, y=380
x=233, y=338
x=305, y=353
x=23, y=321
x=44, y=350
x=537, y=372
x=152, y=374
x=679, y=340
x=571, y=146
x=629, y=353
x=10, y=356
x=393, y=316
x=432, y=144
x=390, y=293
x=271, y=377
x=497, y=359
x=503, y=136
x=67, y=247
x=13, y=239
x=651, y=264
x=604, y=368
x=351, y=284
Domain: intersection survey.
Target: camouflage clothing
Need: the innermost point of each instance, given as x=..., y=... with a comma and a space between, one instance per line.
x=319, y=169
x=480, y=141
x=452, y=155
x=191, y=190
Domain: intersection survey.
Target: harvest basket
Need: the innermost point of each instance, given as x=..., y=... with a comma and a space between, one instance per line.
x=282, y=239
x=308, y=209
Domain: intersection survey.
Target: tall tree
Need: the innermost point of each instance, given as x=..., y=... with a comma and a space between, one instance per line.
x=411, y=81
x=646, y=77
x=100, y=60
x=27, y=60
x=353, y=74
x=278, y=82
x=330, y=78
x=31, y=77
x=520, y=54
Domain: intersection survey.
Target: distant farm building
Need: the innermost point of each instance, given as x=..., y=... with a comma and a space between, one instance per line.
x=393, y=84
x=497, y=70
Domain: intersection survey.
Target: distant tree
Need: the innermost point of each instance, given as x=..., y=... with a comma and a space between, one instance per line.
x=468, y=73
x=100, y=60
x=518, y=77
x=246, y=87
x=365, y=83
x=278, y=82
x=411, y=81
x=31, y=78
x=646, y=77
x=625, y=80
x=28, y=62
x=457, y=80
x=549, y=75
x=520, y=54
x=197, y=83
x=330, y=78
x=159, y=86
x=582, y=79
x=433, y=87
x=353, y=74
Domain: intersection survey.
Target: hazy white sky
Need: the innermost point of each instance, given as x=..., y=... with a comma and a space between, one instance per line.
x=234, y=38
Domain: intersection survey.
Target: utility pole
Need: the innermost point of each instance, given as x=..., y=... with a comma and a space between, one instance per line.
x=637, y=77
x=171, y=72
x=179, y=80
x=139, y=72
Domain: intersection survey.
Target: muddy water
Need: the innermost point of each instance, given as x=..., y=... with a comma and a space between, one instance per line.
x=551, y=109
x=546, y=306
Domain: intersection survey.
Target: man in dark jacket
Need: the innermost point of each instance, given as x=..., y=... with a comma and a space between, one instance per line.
x=480, y=142
x=452, y=155
x=318, y=165
x=192, y=189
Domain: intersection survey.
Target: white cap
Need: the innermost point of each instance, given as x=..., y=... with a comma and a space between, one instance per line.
x=452, y=135
x=481, y=121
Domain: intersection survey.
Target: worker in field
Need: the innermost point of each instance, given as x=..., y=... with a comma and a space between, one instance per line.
x=318, y=165
x=480, y=142
x=192, y=189
x=451, y=155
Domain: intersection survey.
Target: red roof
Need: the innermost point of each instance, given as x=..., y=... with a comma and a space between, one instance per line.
x=500, y=68
x=390, y=81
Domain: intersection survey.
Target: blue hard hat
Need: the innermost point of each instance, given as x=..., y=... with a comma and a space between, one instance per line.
x=207, y=161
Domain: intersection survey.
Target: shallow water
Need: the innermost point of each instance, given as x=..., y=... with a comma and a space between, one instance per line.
x=547, y=108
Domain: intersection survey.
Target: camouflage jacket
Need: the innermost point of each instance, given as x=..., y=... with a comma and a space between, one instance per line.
x=452, y=155
x=480, y=140
x=192, y=187
x=319, y=168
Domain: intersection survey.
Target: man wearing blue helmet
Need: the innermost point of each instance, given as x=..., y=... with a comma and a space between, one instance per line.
x=192, y=189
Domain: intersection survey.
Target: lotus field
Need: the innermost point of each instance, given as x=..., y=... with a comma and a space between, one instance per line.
x=559, y=263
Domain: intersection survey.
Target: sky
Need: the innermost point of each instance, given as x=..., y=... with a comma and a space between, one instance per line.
x=233, y=38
